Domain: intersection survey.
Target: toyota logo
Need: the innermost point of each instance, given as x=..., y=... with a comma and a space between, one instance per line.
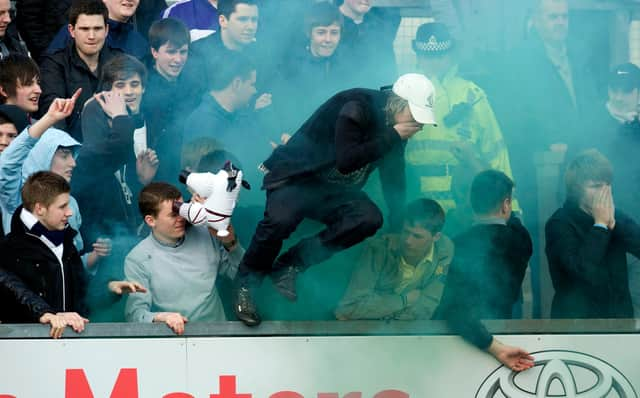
x=559, y=374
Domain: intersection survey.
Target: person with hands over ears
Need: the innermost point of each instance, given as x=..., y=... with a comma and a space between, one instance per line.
x=588, y=240
x=179, y=262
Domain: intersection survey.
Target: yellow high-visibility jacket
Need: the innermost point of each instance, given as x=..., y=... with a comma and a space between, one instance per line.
x=429, y=155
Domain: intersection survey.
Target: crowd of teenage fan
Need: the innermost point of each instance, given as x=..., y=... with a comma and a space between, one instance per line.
x=104, y=102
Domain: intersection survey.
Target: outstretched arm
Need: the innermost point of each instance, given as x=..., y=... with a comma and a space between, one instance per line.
x=515, y=358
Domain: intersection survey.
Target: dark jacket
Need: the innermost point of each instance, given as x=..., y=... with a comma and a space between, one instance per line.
x=348, y=133
x=39, y=21
x=122, y=36
x=619, y=142
x=11, y=42
x=31, y=272
x=109, y=204
x=147, y=12
x=544, y=112
x=369, y=47
x=62, y=73
x=588, y=264
x=165, y=116
x=204, y=57
x=108, y=209
x=305, y=82
x=233, y=131
x=485, y=278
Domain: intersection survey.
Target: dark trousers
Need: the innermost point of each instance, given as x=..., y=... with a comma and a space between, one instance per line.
x=349, y=215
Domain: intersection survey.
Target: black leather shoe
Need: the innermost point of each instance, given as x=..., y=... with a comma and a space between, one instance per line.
x=245, y=308
x=284, y=280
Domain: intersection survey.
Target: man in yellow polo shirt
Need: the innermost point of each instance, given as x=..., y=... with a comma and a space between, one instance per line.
x=443, y=160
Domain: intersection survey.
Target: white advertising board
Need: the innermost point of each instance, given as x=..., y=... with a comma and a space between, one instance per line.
x=585, y=366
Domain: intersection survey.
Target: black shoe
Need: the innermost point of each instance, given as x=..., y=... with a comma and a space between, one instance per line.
x=284, y=280
x=244, y=307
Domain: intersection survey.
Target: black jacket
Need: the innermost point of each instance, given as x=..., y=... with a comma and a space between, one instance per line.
x=108, y=208
x=619, y=142
x=12, y=42
x=347, y=133
x=204, y=57
x=122, y=36
x=32, y=281
x=62, y=73
x=147, y=12
x=588, y=264
x=485, y=277
x=166, y=105
x=39, y=21
x=369, y=47
x=305, y=82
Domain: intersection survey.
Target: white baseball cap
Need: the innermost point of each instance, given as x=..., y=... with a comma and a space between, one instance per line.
x=420, y=93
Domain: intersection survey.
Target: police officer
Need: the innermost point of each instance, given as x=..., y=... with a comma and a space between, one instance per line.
x=443, y=160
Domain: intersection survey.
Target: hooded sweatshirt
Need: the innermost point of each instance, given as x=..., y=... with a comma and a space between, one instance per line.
x=25, y=156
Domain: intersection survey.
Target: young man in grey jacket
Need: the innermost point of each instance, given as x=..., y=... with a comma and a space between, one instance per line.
x=179, y=263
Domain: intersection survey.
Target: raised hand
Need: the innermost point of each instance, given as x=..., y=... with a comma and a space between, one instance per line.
x=229, y=242
x=111, y=103
x=263, y=101
x=60, y=109
x=612, y=219
x=101, y=248
x=284, y=138
x=147, y=166
x=406, y=130
x=602, y=206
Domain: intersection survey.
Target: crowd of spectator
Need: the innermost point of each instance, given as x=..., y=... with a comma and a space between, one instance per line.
x=122, y=95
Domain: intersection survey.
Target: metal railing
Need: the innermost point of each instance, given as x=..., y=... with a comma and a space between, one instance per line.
x=327, y=328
